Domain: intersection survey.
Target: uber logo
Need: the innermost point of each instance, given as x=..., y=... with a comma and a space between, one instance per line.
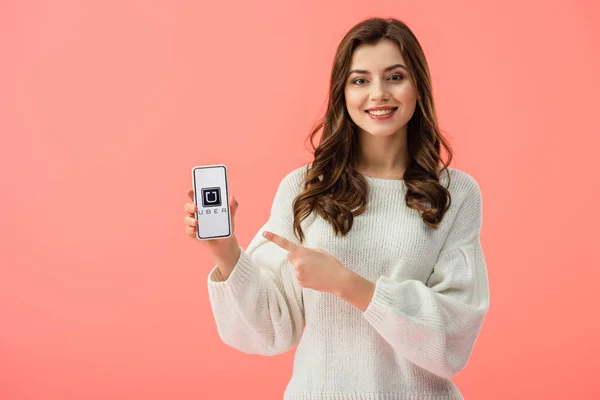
x=211, y=197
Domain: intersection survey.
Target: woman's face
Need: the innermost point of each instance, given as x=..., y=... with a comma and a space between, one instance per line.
x=374, y=85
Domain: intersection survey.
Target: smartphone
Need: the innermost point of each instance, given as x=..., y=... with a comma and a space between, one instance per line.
x=211, y=196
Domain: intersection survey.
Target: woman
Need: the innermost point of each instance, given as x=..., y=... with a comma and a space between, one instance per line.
x=371, y=259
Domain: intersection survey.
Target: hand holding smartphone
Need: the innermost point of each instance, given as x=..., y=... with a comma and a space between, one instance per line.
x=211, y=197
x=210, y=216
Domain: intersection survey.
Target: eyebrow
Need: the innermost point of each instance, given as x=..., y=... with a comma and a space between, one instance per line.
x=391, y=67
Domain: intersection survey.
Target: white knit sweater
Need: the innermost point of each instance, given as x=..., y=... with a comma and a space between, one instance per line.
x=419, y=330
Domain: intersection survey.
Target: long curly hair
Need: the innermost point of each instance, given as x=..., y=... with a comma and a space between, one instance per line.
x=332, y=187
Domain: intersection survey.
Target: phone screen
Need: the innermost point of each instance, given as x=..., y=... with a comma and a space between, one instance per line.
x=211, y=195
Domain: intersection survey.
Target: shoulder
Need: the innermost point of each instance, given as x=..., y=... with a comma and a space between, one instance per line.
x=459, y=182
x=297, y=174
x=463, y=188
x=466, y=199
x=294, y=179
x=292, y=182
x=465, y=194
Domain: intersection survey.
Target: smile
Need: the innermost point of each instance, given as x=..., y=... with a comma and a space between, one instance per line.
x=381, y=114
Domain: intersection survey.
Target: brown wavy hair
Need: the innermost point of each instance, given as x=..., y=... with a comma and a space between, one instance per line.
x=342, y=192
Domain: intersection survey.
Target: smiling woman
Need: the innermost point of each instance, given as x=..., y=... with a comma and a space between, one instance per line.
x=382, y=92
x=384, y=289
x=395, y=90
x=380, y=122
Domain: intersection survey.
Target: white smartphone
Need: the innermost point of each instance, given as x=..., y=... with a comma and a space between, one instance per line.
x=211, y=196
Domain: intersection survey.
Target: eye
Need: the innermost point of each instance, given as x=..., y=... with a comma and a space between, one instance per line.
x=400, y=77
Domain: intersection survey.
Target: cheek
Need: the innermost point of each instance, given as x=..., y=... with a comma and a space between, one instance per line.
x=406, y=95
x=353, y=101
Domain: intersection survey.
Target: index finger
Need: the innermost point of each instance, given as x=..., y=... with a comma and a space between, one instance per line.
x=280, y=241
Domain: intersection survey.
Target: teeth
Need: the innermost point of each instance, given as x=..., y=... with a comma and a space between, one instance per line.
x=381, y=112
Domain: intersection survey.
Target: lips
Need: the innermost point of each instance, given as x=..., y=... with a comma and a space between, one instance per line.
x=381, y=109
x=382, y=117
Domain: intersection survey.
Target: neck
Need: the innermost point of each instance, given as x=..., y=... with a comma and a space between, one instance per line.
x=383, y=155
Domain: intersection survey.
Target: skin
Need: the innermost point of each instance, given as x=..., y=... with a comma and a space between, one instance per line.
x=224, y=251
x=383, y=144
x=383, y=153
x=318, y=270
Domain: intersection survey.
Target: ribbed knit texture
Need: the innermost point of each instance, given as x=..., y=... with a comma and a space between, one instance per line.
x=419, y=330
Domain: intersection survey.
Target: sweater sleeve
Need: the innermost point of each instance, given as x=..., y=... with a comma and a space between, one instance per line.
x=435, y=324
x=259, y=309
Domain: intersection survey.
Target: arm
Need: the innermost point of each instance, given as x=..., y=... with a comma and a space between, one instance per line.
x=435, y=324
x=258, y=308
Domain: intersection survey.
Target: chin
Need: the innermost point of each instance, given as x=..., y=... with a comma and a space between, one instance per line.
x=382, y=131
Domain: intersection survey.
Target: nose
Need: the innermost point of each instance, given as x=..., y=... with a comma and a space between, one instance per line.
x=379, y=92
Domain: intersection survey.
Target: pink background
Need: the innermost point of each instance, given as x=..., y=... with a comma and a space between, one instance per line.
x=106, y=105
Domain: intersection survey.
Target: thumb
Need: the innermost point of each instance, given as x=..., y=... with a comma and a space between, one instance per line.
x=233, y=204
